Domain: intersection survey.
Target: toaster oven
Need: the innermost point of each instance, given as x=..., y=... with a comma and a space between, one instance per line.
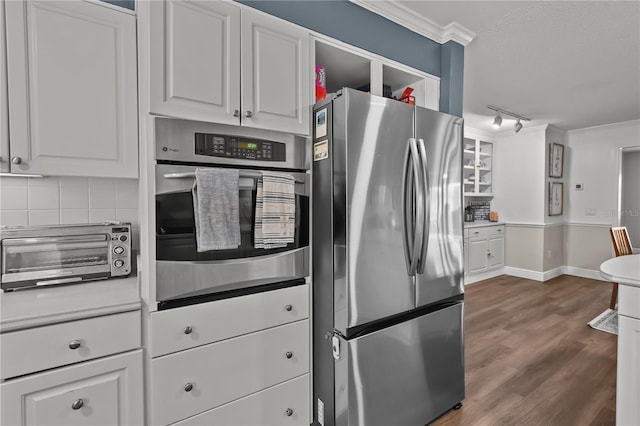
x=64, y=254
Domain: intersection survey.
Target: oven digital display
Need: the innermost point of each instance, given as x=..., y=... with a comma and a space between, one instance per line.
x=247, y=145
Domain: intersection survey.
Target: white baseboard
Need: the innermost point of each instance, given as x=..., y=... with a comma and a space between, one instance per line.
x=524, y=273
x=584, y=273
x=552, y=273
x=470, y=279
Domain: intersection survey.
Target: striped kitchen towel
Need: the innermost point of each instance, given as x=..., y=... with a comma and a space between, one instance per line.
x=275, y=210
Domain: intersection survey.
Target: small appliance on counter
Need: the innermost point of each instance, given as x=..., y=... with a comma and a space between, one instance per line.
x=63, y=254
x=469, y=214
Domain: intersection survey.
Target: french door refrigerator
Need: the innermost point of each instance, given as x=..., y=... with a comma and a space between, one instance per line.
x=387, y=262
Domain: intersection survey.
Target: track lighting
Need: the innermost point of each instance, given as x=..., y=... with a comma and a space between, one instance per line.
x=497, y=121
x=518, y=126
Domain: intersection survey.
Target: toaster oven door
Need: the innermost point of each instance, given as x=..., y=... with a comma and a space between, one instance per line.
x=29, y=262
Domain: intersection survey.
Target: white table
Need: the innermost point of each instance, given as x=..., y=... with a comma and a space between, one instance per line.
x=622, y=270
x=625, y=270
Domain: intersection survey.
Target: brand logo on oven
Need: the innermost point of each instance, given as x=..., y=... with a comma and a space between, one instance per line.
x=165, y=149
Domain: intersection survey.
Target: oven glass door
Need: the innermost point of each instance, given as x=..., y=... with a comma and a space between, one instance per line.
x=175, y=227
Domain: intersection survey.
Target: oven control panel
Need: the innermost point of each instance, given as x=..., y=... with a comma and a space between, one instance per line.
x=239, y=147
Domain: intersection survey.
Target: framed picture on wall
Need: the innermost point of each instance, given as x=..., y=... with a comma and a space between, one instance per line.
x=556, y=157
x=555, y=198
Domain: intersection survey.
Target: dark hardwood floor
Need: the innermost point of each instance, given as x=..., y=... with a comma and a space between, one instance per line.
x=531, y=358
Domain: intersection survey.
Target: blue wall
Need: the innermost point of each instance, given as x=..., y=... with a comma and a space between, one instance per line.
x=352, y=24
x=127, y=4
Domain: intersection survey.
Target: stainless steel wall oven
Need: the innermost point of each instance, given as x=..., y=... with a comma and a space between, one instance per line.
x=183, y=274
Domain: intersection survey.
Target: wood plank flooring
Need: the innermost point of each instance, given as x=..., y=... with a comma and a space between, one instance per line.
x=531, y=358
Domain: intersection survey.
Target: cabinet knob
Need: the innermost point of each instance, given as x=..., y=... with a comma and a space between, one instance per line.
x=288, y=412
x=188, y=387
x=188, y=329
x=75, y=344
x=289, y=355
x=236, y=113
x=288, y=307
x=77, y=404
x=489, y=253
x=16, y=160
x=476, y=233
x=248, y=114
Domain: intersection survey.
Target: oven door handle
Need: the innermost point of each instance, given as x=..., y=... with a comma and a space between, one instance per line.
x=191, y=175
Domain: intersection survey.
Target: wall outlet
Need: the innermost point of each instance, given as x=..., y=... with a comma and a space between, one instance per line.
x=590, y=212
x=579, y=186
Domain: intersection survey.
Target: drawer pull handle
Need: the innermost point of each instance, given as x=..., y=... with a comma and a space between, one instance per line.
x=499, y=230
x=289, y=355
x=75, y=344
x=188, y=329
x=288, y=412
x=188, y=387
x=288, y=308
x=476, y=232
x=77, y=404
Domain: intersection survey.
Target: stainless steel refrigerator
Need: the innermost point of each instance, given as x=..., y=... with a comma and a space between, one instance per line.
x=387, y=262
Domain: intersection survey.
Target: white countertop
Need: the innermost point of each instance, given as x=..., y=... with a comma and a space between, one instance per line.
x=623, y=270
x=481, y=223
x=49, y=305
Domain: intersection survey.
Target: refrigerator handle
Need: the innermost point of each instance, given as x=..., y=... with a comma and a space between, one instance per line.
x=427, y=205
x=411, y=175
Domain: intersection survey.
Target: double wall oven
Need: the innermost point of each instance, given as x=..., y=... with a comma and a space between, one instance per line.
x=183, y=274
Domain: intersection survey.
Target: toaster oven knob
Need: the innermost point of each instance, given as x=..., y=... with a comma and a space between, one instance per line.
x=118, y=249
x=118, y=263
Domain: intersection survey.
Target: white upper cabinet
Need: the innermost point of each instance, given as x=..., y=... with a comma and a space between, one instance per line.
x=216, y=62
x=195, y=60
x=72, y=89
x=4, y=107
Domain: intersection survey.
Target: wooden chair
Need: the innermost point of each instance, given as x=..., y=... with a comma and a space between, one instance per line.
x=622, y=247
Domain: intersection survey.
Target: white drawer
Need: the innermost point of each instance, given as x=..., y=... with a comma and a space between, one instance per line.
x=196, y=380
x=183, y=328
x=486, y=231
x=281, y=405
x=629, y=301
x=36, y=349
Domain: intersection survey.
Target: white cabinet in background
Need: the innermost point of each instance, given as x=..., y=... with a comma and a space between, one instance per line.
x=485, y=248
x=104, y=392
x=477, y=166
x=216, y=62
x=72, y=89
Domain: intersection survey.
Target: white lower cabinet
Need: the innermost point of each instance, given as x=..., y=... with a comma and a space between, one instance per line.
x=628, y=383
x=283, y=404
x=105, y=392
x=196, y=380
x=484, y=248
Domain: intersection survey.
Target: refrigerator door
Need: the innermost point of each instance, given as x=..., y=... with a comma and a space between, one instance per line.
x=440, y=269
x=406, y=374
x=371, y=138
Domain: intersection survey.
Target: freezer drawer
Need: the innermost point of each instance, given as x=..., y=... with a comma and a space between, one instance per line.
x=406, y=374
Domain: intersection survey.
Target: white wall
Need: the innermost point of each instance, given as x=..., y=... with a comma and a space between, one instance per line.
x=593, y=162
x=66, y=200
x=519, y=176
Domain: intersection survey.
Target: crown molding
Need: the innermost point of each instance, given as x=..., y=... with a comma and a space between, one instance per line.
x=417, y=23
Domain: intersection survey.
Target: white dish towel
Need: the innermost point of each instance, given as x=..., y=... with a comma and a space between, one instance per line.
x=215, y=208
x=275, y=224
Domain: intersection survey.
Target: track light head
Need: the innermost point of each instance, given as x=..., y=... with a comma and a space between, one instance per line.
x=497, y=122
x=518, y=126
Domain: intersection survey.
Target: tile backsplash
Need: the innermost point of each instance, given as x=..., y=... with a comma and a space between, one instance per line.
x=66, y=200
